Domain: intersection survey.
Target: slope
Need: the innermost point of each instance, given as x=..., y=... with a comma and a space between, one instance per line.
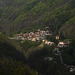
x=11, y=60
x=27, y=15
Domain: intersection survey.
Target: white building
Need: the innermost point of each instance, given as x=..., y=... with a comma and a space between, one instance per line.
x=64, y=43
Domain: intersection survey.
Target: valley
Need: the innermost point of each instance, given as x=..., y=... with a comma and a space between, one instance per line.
x=37, y=37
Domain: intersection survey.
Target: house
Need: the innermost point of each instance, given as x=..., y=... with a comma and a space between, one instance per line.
x=48, y=58
x=37, y=38
x=30, y=38
x=46, y=41
x=47, y=32
x=21, y=33
x=38, y=30
x=64, y=43
x=51, y=43
x=56, y=48
x=34, y=39
x=61, y=44
x=57, y=37
x=22, y=38
x=67, y=43
x=41, y=37
x=43, y=40
x=72, y=69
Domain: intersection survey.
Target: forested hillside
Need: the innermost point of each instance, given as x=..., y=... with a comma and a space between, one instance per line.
x=12, y=62
x=27, y=15
x=24, y=57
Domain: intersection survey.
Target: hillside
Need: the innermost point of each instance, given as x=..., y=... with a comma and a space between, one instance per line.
x=11, y=60
x=36, y=55
x=26, y=15
x=32, y=56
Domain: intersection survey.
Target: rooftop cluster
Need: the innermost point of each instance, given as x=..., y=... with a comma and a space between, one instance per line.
x=33, y=36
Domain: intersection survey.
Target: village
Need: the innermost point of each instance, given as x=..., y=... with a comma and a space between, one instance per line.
x=33, y=36
x=40, y=35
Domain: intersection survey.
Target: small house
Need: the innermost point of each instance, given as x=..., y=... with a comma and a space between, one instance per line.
x=46, y=41
x=34, y=39
x=51, y=43
x=72, y=69
x=48, y=58
x=57, y=37
x=56, y=48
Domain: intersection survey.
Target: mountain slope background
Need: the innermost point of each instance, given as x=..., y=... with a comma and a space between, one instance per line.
x=26, y=15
